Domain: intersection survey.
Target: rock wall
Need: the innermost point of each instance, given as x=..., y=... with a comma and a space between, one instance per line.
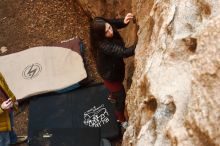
x=174, y=96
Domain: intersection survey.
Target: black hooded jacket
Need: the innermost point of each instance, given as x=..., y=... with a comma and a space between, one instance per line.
x=110, y=54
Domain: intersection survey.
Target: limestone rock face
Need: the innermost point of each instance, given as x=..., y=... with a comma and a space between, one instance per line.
x=174, y=98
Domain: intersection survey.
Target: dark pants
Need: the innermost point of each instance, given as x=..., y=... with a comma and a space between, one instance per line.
x=8, y=137
x=117, y=92
x=12, y=134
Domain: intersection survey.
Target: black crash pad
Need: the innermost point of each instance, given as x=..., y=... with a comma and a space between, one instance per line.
x=65, y=137
x=84, y=108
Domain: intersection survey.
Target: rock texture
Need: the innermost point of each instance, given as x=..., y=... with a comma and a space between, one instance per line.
x=105, y=8
x=174, y=96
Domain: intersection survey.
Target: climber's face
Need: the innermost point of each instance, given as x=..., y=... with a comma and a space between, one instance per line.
x=108, y=30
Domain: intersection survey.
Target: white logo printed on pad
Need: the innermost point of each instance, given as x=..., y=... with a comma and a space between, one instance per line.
x=96, y=117
x=32, y=71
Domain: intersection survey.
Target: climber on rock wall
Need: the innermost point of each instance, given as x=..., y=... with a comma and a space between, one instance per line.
x=108, y=50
